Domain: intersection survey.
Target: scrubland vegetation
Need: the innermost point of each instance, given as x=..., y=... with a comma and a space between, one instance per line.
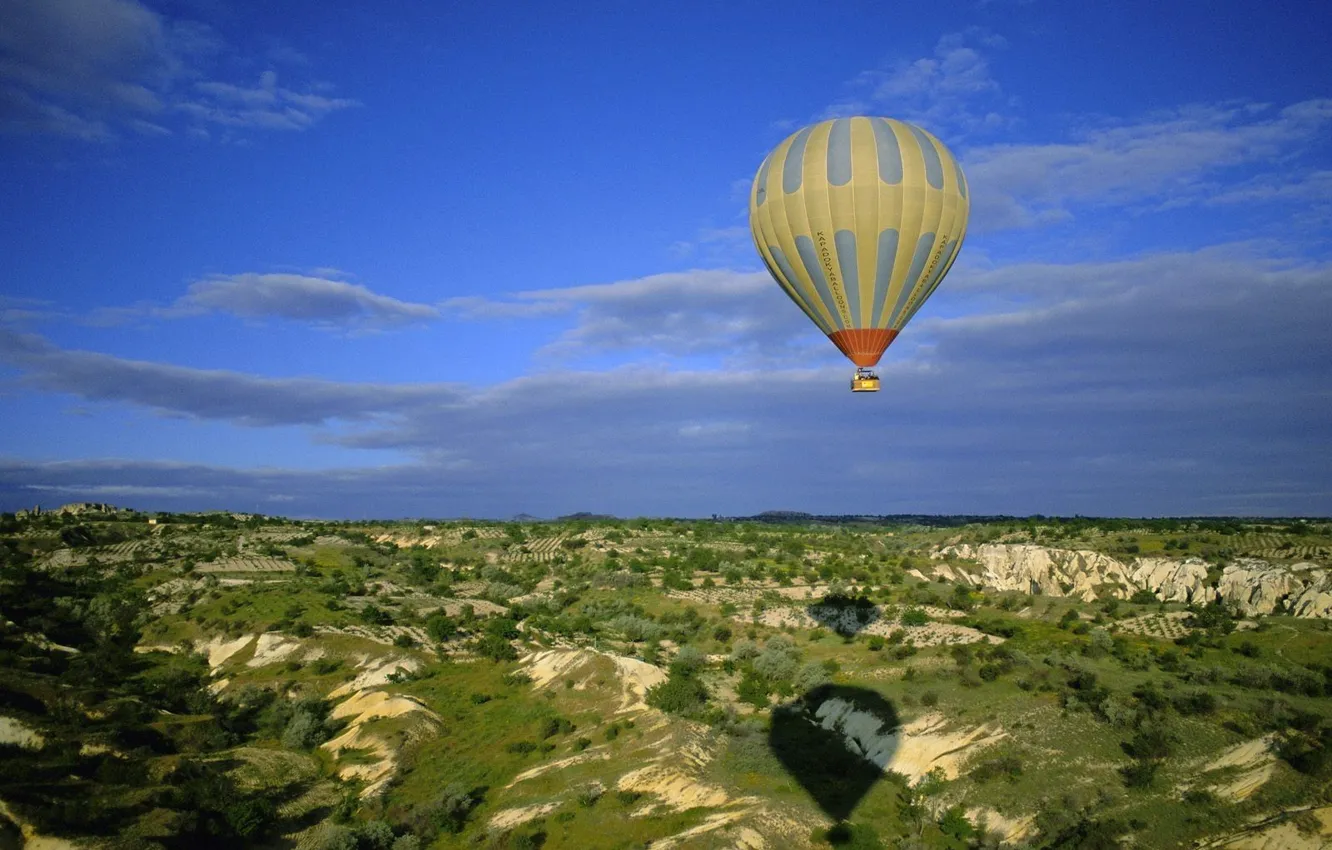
x=222, y=681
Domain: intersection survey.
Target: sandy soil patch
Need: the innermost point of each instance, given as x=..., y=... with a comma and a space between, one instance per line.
x=1255, y=763
x=672, y=789
x=549, y=665
x=272, y=648
x=375, y=773
x=368, y=705
x=219, y=649
x=31, y=839
x=509, y=818
x=363, y=708
x=541, y=769
x=926, y=744
x=635, y=676
x=1010, y=829
x=16, y=732
x=923, y=745
x=374, y=673
x=712, y=823
x=1284, y=836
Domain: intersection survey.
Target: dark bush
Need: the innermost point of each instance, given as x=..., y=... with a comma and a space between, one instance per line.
x=1140, y=773
x=1195, y=702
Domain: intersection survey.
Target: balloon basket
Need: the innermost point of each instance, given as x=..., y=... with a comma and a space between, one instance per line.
x=864, y=381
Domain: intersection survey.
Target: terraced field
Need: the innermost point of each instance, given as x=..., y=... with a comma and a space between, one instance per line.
x=1168, y=626
x=247, y=565
x=539, y=549
x=1282, y=547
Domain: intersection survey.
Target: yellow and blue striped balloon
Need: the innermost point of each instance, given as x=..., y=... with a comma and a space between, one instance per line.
x=859, y=219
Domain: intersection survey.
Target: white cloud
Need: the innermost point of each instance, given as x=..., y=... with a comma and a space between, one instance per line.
x=951, y=92
x=89, y=68
x=1315, y=186
x=317, y=299
x=1212, y=365
x=302, y=298
x=742, y=317
x=265, y=106
x=1169, y=156
x=216, y=394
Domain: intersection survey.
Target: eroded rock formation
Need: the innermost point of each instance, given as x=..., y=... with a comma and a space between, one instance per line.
x=1251, y=585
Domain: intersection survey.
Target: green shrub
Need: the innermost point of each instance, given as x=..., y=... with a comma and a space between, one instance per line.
x=754, y=689
x=495, y=648
x=440, y=627
x=915, y=617
x=552, y=726
x=680, y=694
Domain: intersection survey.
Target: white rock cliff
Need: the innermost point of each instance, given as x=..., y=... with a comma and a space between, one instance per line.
x=1252, y=585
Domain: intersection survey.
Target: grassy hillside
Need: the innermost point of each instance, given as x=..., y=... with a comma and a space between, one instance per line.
x=210, y=680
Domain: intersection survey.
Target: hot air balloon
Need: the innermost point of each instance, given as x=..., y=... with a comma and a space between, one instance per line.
x=858, y=220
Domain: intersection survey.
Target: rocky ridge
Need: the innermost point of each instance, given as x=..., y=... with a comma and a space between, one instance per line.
x=1252, y=585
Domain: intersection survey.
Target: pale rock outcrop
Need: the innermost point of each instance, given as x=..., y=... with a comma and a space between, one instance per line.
x=1255, y=587
x=1252, y=585
x=1040, y=570
x=1172, y=581
x=1315, y=600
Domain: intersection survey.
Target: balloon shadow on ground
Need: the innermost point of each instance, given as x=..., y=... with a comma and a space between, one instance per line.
x=833, y=741
x=845, y=615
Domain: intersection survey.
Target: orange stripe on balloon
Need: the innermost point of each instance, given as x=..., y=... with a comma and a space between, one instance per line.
x=863, y=346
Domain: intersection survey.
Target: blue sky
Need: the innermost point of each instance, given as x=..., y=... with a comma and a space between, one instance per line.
x=400, y=259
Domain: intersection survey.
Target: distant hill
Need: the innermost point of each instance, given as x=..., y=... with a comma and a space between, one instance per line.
x=927, y=520
x=73, y=508
x=584, y=515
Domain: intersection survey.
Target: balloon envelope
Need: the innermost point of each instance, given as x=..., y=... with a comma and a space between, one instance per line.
x=859, y=219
